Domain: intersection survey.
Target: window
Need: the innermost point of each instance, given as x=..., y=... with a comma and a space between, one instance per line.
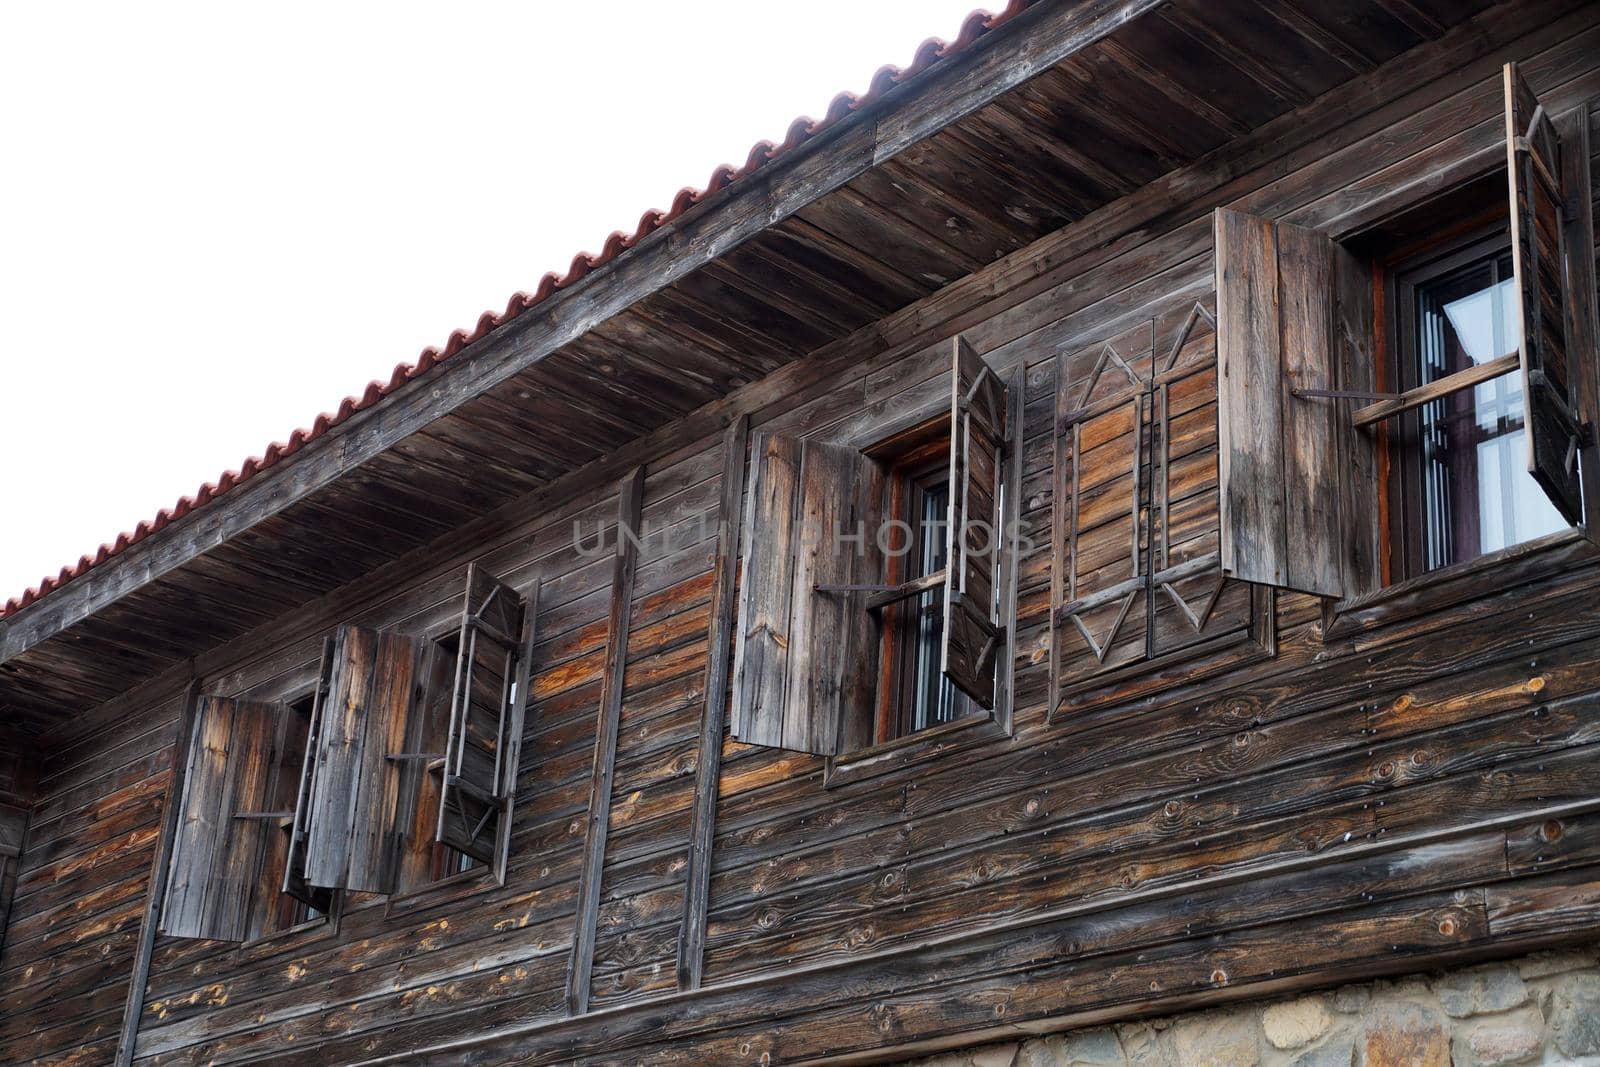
x=1460, y=460
x=1485, y=434
x=932, y=698
x=871, y=599
x=284, y=911
x=914, y=693
x=400, y=769
x=424, y=858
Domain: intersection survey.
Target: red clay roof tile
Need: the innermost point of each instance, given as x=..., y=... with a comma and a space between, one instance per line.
x=800, y=131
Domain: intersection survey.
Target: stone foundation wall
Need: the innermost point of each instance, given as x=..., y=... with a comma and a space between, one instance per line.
x=1543, y=1009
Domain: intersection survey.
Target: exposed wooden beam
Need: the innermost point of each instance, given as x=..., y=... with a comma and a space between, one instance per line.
x=625, y=562
x=996, y=63
x=708, y=763
x=160, y=862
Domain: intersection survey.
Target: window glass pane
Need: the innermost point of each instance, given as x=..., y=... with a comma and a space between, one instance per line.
x=933, y=697
x=1477, y=495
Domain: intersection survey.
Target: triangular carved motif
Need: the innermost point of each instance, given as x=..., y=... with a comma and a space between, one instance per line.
x=1109, y=356
x=1197, y=315
x=1197, y=619
x=1102, y=647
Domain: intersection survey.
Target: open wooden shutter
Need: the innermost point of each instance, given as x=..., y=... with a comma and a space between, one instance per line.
x=486, y=718
x=809, y=522
x=350, y=816
x=216, y=856
x=972, y=636
x=1555, y=287
x=1278, y=452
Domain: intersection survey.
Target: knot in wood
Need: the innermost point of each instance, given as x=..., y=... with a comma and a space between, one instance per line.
x=1551, y=830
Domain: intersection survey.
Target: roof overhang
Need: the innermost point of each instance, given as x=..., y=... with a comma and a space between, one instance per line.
x=749, y=277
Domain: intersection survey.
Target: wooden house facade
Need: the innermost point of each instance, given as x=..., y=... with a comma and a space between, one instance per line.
x=1100, y=525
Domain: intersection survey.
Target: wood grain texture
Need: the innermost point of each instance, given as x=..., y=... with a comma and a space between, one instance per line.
x=624, y=566
x=478, y=768
x=1286, y=803
x=353, y=829
x=215, y=854
x=1278, y=461
x=160, y=874
x=971, y=642
x=1550, y=368
x=1250, y=429
x=713, y=713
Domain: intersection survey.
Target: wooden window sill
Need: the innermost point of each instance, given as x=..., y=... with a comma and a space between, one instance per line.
x=1490, y=573
x=309, y=932
x=450, y=889
x=977, y=728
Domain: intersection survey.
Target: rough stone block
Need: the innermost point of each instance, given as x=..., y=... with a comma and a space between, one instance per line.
x=1545, y=964
x=1042, y=1052
x=1217, y=1041
x=995, y=1056
x=1575, y=1015
x=1480, y=991
x=1092, y=1048
x=1502, y=1041
x=1337, y=1051
x=1296, y=1023
x=1402, y=1034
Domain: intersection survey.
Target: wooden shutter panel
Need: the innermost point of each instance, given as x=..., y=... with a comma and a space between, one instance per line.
x=794, y=646
x=1278, y=454
x=1555, y=288
x=351, y=819
x=972, y=637
x=486, y=719
x=215, y=856
x=1102, y=492
x=1193, y=602
x=1139, y=599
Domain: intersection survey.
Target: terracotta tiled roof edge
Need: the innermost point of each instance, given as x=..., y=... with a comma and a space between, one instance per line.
x=801, y=130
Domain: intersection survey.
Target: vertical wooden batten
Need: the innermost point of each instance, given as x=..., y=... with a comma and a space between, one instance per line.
x=708, y=762
x=157, y=884
x=625, y=563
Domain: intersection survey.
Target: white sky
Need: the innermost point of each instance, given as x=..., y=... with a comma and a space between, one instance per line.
x=217, y=220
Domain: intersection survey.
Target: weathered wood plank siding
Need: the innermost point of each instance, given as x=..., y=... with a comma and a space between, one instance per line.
x=74, y=928
x=1293, y=819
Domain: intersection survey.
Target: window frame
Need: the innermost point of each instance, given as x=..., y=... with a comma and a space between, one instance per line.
x=976, y=726
x=1406, y=522
x=317, y=927
x=443, y=644
x=912, y=469
x=303, y=699
x=1401, y=596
